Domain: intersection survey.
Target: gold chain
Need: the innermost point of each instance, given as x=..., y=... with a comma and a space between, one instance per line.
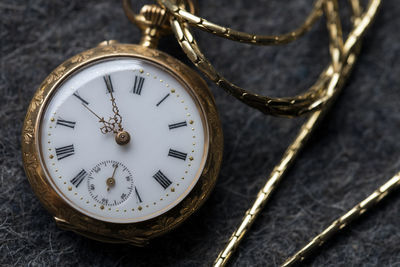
x=311, y=100
x=280, y=169
x=349, y=51
x=243, y=37
x=344, y=220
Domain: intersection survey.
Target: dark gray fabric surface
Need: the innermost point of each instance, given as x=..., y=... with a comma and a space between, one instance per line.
x=354, y=151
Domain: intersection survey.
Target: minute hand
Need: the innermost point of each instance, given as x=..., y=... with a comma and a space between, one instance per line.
x=117, y=119
x=107, y=127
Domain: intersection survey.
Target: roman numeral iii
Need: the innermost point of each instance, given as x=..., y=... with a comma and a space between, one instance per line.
x=162, y=179
x=70, y=124
x=177, y=125
x=77, y=180
x=138, y=85
x=65, y=151
x=177, y=154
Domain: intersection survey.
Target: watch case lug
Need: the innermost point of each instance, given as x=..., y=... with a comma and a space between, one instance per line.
x=63, y=224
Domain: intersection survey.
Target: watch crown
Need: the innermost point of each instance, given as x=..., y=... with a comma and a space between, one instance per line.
x=152, y=20
x=155, y=16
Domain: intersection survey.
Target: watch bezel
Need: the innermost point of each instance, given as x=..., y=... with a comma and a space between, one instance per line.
x=68, y=217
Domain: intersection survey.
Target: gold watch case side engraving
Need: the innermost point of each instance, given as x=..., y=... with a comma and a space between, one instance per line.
x=135, y=233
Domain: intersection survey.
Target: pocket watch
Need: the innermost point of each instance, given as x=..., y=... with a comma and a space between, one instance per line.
x=122, y=143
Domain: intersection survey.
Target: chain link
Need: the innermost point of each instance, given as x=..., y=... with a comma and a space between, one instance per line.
x=243, y=37
x=339, y=224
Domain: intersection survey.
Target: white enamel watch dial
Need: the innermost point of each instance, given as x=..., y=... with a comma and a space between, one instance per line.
x=136, y=181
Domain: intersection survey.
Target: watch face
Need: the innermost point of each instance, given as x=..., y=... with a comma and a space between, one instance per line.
x=123, y=140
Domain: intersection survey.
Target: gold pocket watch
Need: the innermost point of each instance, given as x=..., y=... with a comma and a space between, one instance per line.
x=122, y=143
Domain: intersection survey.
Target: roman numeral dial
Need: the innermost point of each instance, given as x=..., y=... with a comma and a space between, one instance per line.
x=162, y=100
x=162, y=179
x=177, y=154
x=138, y=85
x=69, y=124
x=108, y=82
x=138, y=198
x=65, y=151
x=77, y=180
x=76, y=94
x=177, y=125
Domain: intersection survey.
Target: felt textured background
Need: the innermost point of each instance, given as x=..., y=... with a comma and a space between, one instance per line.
x=354, y=151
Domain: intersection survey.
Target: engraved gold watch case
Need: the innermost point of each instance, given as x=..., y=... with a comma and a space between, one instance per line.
x=70, y=218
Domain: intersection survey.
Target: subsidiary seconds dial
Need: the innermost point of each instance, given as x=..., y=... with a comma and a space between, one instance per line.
x=110, y=183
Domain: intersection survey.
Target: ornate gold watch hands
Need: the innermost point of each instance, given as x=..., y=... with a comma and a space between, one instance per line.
x=114, y=123
x=107, y=125
x=121, y=137
x=117, y=118
x=111, y=181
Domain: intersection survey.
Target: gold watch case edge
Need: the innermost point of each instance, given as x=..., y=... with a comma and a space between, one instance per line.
x=139, y=233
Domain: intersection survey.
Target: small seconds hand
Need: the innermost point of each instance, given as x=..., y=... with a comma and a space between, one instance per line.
x=111, y=181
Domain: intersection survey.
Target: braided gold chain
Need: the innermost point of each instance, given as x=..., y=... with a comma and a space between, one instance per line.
x=340, y=223
x=311, y=100
x=379, y=194
x=183, y=15
x=282, y=167
x=348, y=52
